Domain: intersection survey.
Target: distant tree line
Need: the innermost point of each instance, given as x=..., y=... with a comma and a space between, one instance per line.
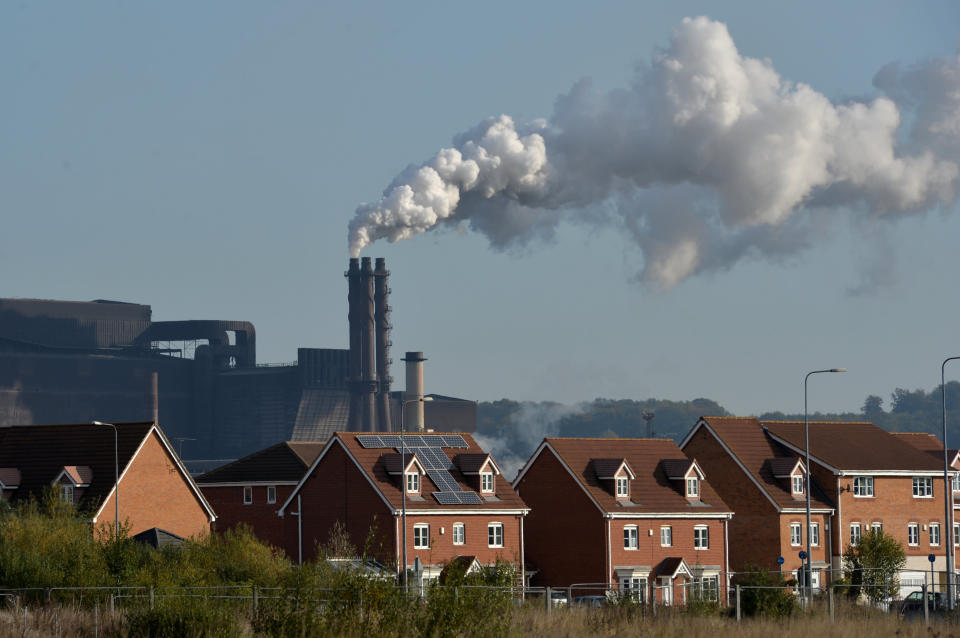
x=519, y=426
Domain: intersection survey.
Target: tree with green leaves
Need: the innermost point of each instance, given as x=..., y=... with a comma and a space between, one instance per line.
x=874, y=564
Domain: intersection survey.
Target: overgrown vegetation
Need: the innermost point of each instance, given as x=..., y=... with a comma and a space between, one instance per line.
x=764, y=594
x=873, y=565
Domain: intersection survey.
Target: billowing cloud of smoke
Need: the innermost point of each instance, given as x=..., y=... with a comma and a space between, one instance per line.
x=708, y=157
x=523, y=433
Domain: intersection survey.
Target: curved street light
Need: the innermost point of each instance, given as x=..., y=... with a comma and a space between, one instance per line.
x=947, y=488
x=808, y=571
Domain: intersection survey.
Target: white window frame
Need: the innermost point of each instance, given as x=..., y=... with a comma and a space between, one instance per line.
x=248, y=495
x=486, y=482
x=413, y=482
x=795, y=534
x=913, y=534
x=814, y=534
x=876, y=526
x=666, y=536
x=798, y=481
x=634, y=588
x=623, y=486
x=701, y=537
x=922, y=487
x=956, y=534
x=856, y=533
x=693, y=487
x=495, y=534
x=934, y=530
x=863, y=487
x=67, y=493
x=955, y=482
x=631, y=537
x=708, y=587
x=271, y=494
x=459, y=534
x=421, y=536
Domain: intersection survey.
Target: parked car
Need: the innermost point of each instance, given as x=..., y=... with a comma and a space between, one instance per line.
x=558, y=597
x=590, y=601
x=912, y=605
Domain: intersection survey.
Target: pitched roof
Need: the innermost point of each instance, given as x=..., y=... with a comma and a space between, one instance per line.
x=42, y=452
x=651, y=491
x=156, y=537
x=922, y=441
x=783, y=466
x=854, y=446
x=283, y=462
x=749, y=444
x=671, y=566
x=79, y=474
x=473, y=463
x=676, y=468
x=9, y=477
x=393, y=462
x=369, y=462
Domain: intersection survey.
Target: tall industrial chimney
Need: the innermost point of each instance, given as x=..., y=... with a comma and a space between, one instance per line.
x=355, y=372
x=412, y=406
x=381, y=294
x=367, y=350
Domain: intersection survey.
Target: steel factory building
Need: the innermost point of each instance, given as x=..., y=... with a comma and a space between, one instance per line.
x=74, y=362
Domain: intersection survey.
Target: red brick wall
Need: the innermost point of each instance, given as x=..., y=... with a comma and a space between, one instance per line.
x=338, y=491
x=791, y=553
x=754, y=538
x=565, y=533
x=261, y=516
x=442, y=548
x=153, y=493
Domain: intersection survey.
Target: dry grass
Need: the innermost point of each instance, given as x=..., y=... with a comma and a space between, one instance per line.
x=851, y=622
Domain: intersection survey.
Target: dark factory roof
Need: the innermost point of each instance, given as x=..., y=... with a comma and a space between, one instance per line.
x=371, y=462
x=283, y=462
x=322, y=412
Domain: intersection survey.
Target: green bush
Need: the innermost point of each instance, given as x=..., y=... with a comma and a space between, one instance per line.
x=765, y=594
x=184, y=618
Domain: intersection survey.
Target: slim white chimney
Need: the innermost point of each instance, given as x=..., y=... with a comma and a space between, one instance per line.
x=413, y=393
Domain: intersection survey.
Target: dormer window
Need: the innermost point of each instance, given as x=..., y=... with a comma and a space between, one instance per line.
x=687, y=474
x=615, y=475
x=413, y=482
x=693, y=487
x=797, y=484
x=623, y=487
x=486, y=482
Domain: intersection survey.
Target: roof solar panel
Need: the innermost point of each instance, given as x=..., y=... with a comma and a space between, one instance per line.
x=369, y=441
x=453, y=440
x=443, y=480
x=390, y=440
x=470, y=498
x=447, y=498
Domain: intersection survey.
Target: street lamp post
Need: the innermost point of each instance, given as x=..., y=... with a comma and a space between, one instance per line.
x=116, y=480
x=947, y=488
x=808, y=570
x=403, y=483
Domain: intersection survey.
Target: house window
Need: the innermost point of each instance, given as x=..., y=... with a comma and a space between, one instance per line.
x=66, y=493
x=630, y=537
x=459, y=534
x=707, y=588
x=934, y=533
x=922, y=487
x=913, y=534
x=693, y=487
x=701, y=537
x=413, y=482
x=955, y=482
x=798, y=484
x=863, y=486
x=247, y=495
x=486, y=482
x=495, y=535
x=421, y=536
x=956, y=534
x=271, y=494
x=666, y=536
x=814, y=534
x=795, y=539
x=633, y=588
x=876, y=527
x=623, y=487
x=854, y=533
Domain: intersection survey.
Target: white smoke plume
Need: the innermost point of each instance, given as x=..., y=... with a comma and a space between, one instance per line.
x=708, y=157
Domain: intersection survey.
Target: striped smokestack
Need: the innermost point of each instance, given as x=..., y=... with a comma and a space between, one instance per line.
x=382, y=318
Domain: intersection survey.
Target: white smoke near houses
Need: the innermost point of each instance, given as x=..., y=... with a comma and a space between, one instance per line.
x=706, y=158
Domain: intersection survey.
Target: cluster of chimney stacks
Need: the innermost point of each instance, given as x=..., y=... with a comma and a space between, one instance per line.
x=369, y=374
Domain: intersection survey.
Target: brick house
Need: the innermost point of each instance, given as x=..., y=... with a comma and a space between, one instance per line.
x=764, y=483
x=457, y=502
x=155, y=490
x=874, y=480
x=629, y=514
x=251, y=489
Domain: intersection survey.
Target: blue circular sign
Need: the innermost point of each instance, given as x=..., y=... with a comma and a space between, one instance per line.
x=803, y=555
x=779, y=560
x=931, y=558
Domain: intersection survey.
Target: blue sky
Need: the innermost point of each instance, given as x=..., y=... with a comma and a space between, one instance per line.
x=206, y=158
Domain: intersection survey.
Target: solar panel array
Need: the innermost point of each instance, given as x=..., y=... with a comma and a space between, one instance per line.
x=428, y=448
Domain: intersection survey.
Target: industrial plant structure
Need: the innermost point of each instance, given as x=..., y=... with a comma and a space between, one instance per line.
x=70, y=362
